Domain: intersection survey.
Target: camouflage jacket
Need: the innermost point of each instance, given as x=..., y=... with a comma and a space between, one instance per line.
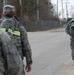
x=19, y=35
x=10, y=60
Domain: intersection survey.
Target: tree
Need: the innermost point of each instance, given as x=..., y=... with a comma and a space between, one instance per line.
x=29, y=7
x=1, y=8
x=45, y=9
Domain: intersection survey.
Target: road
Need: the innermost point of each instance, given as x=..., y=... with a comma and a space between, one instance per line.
x=51, y=53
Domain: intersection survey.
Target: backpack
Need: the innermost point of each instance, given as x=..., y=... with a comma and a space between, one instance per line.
x=13, y=62
x=71, y=27
x=9, y=26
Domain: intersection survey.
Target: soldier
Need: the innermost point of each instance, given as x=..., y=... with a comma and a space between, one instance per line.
x=18, y=34
x=70, y=31
x=10, y=60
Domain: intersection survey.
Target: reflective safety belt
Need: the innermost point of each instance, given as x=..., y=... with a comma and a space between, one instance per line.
x=4, y=29
x=71, y=26
x=17, y=33
x=70, y=21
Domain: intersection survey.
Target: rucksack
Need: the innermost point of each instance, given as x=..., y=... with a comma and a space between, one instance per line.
x=9, y=26
x=13, y=62
x=71, y=27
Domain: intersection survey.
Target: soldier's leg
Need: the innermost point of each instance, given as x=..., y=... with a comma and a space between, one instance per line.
x=72, y=48
x=24, y=73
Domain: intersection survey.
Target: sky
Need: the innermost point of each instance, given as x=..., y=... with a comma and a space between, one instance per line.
x=70, y=7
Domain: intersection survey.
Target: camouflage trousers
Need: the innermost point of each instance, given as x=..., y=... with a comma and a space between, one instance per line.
x=72, y=47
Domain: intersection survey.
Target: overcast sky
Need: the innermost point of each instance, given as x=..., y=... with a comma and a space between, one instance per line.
x=70, y=5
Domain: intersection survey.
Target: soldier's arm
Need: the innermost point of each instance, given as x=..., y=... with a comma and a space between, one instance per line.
x=26, y=46
x=67, y=29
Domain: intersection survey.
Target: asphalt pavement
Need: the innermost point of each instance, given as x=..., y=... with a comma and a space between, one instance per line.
x=51, y=53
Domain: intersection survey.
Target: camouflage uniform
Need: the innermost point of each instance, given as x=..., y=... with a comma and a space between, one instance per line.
x=71, y=38
x=19, y=35
x=10, y=60
x=21, y=41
